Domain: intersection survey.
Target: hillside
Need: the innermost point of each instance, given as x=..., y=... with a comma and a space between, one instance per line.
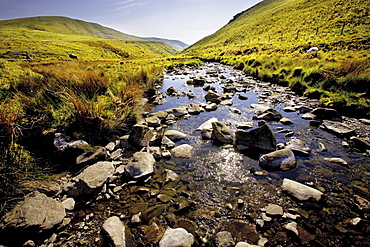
x=271, y=41
x=176, y=44
x=282, y=25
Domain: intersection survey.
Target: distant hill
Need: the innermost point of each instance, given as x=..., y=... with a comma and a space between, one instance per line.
x=176, y=44
x=69, y=26
x=281, y=25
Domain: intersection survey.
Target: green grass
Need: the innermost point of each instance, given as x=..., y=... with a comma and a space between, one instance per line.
x=271, y=39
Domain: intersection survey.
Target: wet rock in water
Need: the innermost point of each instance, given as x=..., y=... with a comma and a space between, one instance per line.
x=262, y=138
x=242, y=97
x=167, y=142
x=298, y=147
x=211, y=107
x=221, y=133
x=115, y=230
x=92, y=178
x=206, y=134
x=142, y=165
x=289, y=109
x=322, y=147
x=208, y=124
x=270, y=115
x=234, y=110
x=152, y=232
x=141, y=135
x=171, y=91
x=199, y=81
x=308, y=116
x=175, y=135
x=36, y=213
x=274, y=210
x=302, y=234
x=171, y=176
x=86, y=159
x=227, y=102
x=361, y=143
x=338, y=161
x=178, y=112
x=283, y=159
x=327, y=114
x=212, y=97
x=286, y=121
x=182, y=151
x=338, y=128
x=300, y=191
x=224, y=238
x=153, y=121
x=245, y=125
x=176, y=237
x=162, y=115
x=195, y=109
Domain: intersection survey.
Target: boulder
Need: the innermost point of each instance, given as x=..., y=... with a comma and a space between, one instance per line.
x=175, y=135
x=211, y=107
x=37, y=212
x=327, y=114
x=300, y=191
x=212, y=96
x=221, y=133
x=208, y=124
x=92, y=178
x=171, y=91
x=338, y=128
x=286, y=121
x=283, y=159
x=298, y=147
x=142, y=165
x=141, y=135
x=262, y=138
x=194, y=109
x=182, y=151
x=115, y=230
x=178, y=237
x=153, y=121
x=270, y=115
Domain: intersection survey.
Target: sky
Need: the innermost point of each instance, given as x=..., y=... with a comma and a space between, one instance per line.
x=184, y=20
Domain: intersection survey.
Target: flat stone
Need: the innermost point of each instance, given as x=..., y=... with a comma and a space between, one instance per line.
x=274, y=210
x=339, y=161
x=298, y=147
x=182, y=151
x=175, y=135
x=286, y=121
x=176, y=238
x=142, y=165
x=338, y=128
x=207, y=125
x=300, y=191
x=115, y=230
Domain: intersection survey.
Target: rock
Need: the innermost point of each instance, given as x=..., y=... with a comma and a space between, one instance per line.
x=28, y=243
x=179, y=112
x=339, y=161
x=327, y=114
x=194, y=109
x=308, y=116
x=206, y=134
x=261, y=138
x=298, y=147
x=92, y=178
x=289, y=109
x=322, y=147
x=292, y=226
x=221, y=133
x=286, y=121
x=242, y=97
x=227, y=102
x=283, y=159
x=36, y=213
x=162, y=115
x=61, y=142
x=167, y=142
x=116, y=154
x=182, y=151
x=88, y=158
x=178, y=237
x=171, y=91
x=362, y=203
x=199, y=81
x=361, y=143
x=270, y=115
x=355, y=221
x=234, y=110
x=175, y=135
x=135, y=219
x=153, y=121
x=303, y=235
x=338, y=128
x=208, y=124
x=245, y=125
x=115, y=230
x=274, y=210
x=244, y=244
x=212, y=96
x=141, y=135
x=300, y=191
x=69, y=204
x=211, y=107
x=142, y=165
x=224, y=238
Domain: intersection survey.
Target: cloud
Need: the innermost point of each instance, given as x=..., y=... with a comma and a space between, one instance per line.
x=128, y=4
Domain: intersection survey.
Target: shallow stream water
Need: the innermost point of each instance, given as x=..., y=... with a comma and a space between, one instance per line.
x=217, y=176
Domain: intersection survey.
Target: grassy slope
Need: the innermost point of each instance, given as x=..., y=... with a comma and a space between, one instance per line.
x=271, y=39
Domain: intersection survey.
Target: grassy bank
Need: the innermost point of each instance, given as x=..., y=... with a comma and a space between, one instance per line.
x=93, y=101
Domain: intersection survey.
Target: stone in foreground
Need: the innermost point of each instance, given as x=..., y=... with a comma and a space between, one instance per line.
x=115, y=231
x=261, y=138
x=283, y=159
x=182, y=151
x=300, y=191
x=142, y=165
x=178, y=237
x=36, y=212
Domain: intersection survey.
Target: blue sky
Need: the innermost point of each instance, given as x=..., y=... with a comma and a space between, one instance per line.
x=185, y=20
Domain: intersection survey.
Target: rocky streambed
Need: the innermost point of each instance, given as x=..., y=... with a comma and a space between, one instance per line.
x=221, y=159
